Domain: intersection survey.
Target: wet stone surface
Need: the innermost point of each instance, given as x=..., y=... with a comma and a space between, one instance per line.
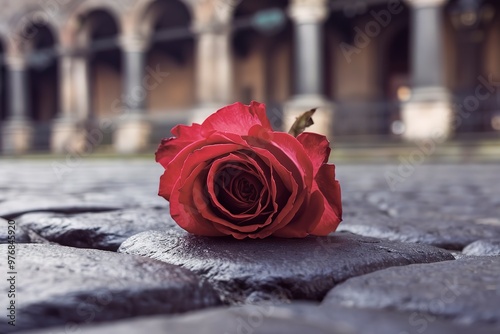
x=79, y=187
x=452, y=234
x=274, y=268
x=446, y=206
x=58, y=285
x=104, y=230
x=291, y=319
x=466, y=290
x=487, y=247
x=13, y=208
x=98, y=203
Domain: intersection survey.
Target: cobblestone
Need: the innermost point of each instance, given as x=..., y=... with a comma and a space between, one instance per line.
x=466, y=290
x=57, y=285
x=275, y=268
x=99, y=204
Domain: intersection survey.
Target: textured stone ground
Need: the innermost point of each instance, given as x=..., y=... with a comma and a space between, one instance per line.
x=395, y=274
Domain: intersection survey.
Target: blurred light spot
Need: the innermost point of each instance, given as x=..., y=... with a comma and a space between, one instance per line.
x=269, y=19
x=495, y=122
x=398, y=127
x=404, y=93
x=468, y=18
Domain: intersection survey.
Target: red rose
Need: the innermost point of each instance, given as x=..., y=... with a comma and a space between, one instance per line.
x=234, y=175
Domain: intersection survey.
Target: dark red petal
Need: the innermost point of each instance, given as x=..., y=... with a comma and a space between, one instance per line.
x=188, y=195
x=311, y=213
x=230, y=225
x=287, y=149
x=317, y=148
x=288, y=190
x=216, y=189
x=164, y=191
x=330, y=188
x=174, y=168
x=259, y=109
x=170, y=147
x=183, y=206
x=211, y=187
x=188, y=133
x=236, y=119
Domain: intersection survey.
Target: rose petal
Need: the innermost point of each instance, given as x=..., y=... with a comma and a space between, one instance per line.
x=186, y=189
x=285, y=213
x=330, y=189
x=187, y=133
x=183, y=208
x=230, y=225
x=287, y=149
x=170, y=147
x=233, y=195
x=294, y=199
x=311, y=213
x=317, y=148
x=236, y=118
x=172, y=170
x=211, y=182
x=301, y=194
x=262, y=153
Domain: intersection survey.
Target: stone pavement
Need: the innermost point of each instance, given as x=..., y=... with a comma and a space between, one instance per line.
x=96, y=252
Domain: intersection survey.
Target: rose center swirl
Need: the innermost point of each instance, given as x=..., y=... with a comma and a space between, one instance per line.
x=239, y=188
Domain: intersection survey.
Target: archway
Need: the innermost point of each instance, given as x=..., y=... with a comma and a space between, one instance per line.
x=487, y=119
x=338, y=34
x=104, y=59
x=397, y=67
x=467, y=27
x=367, y=64
x=171, y=50
x=397, y=81
x=43, y=83
x=262, y=55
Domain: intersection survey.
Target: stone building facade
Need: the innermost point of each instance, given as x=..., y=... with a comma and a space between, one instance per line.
x=80, y=73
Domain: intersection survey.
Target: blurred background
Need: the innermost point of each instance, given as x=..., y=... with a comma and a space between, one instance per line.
x=114, y=76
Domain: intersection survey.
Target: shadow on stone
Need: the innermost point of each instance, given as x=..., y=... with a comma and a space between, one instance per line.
x=103, y=230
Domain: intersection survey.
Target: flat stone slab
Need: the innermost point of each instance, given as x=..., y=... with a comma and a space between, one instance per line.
x=103, y=230
x=466, y=290
x=443, y=232
x=489, y=247
x=278, y=269
x=292, y=319
x=60, y=286
x=12, y=208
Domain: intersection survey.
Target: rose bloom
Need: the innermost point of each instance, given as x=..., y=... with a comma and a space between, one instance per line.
x=234, y=175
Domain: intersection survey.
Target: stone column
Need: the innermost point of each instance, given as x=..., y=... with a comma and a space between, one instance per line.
x=81, y=77
x=308, y=18
x=213, y=70
x=18, y=130
x=68, y=130
x=133, y=129
x=428, y=114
